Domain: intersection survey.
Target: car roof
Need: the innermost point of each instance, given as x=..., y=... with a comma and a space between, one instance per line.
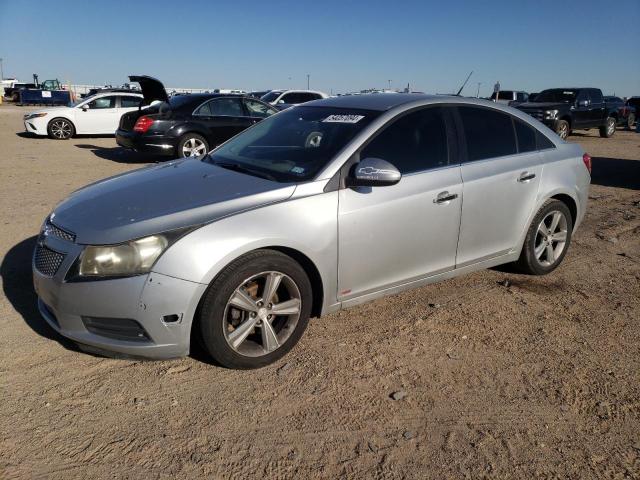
x=374, y=101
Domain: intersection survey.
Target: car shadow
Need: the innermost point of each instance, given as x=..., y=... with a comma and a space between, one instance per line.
x=119, y=154
x=17, y=285
x=615, y=172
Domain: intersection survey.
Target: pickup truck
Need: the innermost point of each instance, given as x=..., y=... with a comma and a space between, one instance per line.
x=13, y=92
x=567, y=109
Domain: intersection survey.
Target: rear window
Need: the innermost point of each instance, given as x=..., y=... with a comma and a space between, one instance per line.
x=488, y=133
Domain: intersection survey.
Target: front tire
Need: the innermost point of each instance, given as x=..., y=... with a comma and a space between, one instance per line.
x=547, y=239
x=60, y=129
x=563, y=129
x=192, y=145
x=255, y=310
x=609, y=128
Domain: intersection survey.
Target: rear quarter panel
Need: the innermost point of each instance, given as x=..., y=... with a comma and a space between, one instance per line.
x=563, y=173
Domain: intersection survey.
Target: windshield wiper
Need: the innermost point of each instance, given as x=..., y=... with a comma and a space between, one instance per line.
x=242, y=169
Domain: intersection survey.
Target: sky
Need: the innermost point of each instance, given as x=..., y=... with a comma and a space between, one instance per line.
x=342, y=45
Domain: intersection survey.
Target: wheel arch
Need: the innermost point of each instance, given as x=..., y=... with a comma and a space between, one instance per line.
x=310, y=268
x=570, y=203
x=63, y=117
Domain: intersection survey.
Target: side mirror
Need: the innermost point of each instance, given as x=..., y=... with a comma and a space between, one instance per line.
x=373, y=172
x=583, y=103
x=280, y=102
x=85, y=107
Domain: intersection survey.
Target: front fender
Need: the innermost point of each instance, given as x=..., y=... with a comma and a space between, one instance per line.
x=307, y=225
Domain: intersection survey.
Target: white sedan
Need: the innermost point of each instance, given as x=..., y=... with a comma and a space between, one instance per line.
x=96, y=115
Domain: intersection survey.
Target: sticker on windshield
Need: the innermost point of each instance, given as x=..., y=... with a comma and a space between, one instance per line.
x=343, y=118
x=298, y=170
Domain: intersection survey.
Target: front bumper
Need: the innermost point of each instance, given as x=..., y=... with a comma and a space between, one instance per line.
x=35, y=126
x=155, y=144
x=163, y=306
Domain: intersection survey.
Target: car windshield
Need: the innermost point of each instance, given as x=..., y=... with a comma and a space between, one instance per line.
x=270, y=97
x=556, y=95
x=294, y=145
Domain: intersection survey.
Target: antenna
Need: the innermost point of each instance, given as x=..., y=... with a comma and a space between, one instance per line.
x=465, y=82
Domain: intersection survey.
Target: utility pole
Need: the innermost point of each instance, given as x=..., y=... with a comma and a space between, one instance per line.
x=308, y=81
x=478, y=92
x=389, y=82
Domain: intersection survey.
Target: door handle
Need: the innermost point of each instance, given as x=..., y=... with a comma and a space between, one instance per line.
x=526, y=176
x=445, y=197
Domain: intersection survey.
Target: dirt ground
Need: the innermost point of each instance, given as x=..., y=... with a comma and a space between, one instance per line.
x=504, y=375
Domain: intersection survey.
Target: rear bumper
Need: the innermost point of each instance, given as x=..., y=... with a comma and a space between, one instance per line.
x=157, y=144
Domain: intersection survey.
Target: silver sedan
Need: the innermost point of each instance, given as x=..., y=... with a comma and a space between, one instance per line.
x=321, y=207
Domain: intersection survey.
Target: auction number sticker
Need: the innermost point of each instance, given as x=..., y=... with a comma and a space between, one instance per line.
x=46, y=94
x=343, y=118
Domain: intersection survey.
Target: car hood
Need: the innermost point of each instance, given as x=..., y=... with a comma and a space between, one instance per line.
x=160, y=198
x=152, y=88
x=543, y=105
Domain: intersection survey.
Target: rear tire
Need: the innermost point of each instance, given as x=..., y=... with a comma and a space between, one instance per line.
x=563, y=129
x=60, y=129
x=609, y=128
x=547, y=239
x=631, y=119
x=244, y=326
x=192, y=145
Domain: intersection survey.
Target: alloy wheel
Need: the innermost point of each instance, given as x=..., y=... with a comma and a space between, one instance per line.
x=262, y=313
x=194, y=147
x=61, y=129
x=564, y=131
x=551, y=238
x=611, y=126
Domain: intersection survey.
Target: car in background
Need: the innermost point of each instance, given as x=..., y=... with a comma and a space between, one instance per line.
x=626, y=114
x=189, y=125
x=95, y=115
x=567, y=109
x=13, y=92
x=95, y=91
x=282, y=99
x=258, y=93
x=509, y=97
x=321, y=207
x=634, y=102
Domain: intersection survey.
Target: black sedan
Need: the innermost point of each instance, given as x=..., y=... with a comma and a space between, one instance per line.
x=189, y=125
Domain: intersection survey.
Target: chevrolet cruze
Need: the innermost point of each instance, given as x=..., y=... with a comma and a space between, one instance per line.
x=321, y=207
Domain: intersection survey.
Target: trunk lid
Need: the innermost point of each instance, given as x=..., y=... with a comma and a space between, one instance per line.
x=152, y=88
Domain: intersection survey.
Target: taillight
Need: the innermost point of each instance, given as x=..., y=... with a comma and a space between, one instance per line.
x=586, y=158
x=143, y=124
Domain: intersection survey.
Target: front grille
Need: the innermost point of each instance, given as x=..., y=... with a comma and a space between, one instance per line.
x=116, y=328
x=54, y=230
x=48, y=261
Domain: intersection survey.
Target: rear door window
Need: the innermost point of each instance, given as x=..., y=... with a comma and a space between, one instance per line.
x=596, y=96
x=223, y=107
x=413, y=143
x=526, y=136
x=488, y=133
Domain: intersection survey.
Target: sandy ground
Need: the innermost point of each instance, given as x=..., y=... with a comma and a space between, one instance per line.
x=537, y=379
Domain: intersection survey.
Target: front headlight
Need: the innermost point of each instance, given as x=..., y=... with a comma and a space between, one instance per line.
x=131, y=258
x=551, y=114
x=29, y=116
